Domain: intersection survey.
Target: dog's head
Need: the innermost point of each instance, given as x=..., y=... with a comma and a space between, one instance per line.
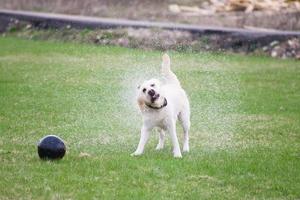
x=149, y=93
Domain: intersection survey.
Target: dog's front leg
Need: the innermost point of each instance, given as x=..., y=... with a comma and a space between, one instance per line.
x=161, y=140
x=176, y=147
x=143, y=140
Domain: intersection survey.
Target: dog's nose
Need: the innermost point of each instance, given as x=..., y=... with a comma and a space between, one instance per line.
x=151, y=92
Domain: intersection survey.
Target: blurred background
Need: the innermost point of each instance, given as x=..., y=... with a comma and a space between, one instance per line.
x=253, y=15
x=276, y=14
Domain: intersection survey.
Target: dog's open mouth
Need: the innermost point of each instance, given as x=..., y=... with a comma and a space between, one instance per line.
x=154, y=98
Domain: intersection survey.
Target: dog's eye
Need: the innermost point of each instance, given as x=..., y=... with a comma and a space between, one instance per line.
x=144, y=90
x=152, y=85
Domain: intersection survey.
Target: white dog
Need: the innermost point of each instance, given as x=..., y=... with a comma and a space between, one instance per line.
x=161, y=106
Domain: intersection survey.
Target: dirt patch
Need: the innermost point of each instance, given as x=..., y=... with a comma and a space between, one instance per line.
x=158, y=39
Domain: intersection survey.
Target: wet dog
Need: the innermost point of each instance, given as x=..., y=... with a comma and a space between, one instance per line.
x=161, y=105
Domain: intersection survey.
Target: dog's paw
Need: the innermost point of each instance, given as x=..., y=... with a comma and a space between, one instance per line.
x=186, y=149
x=177, y=154
x=159, y=147
x=136, y=153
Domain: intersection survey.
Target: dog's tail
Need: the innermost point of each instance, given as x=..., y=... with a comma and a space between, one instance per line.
x=166, y=70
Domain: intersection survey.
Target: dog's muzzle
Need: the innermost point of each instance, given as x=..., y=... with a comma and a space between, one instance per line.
x=153, y=95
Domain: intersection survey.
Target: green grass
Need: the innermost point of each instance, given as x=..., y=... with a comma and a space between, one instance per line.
x=245, y=135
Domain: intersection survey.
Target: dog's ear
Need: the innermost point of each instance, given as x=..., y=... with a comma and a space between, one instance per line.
x=141, y=104
x=158, y=83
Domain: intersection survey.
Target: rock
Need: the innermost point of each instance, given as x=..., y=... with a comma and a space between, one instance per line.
x=28, y=26
x=274, y=54
x=274, y=43
x=265, y=48
x=83, y=154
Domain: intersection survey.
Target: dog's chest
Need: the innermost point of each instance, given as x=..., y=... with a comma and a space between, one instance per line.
x=156, y=119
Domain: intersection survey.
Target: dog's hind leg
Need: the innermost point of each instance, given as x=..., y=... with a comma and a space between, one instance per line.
x=174, y=139
x=184, y=118
x=161, y=140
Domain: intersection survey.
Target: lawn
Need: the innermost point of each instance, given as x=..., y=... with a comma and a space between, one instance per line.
x=245, y=134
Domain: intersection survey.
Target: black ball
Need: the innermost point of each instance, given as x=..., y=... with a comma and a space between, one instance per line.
x=51, y=147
